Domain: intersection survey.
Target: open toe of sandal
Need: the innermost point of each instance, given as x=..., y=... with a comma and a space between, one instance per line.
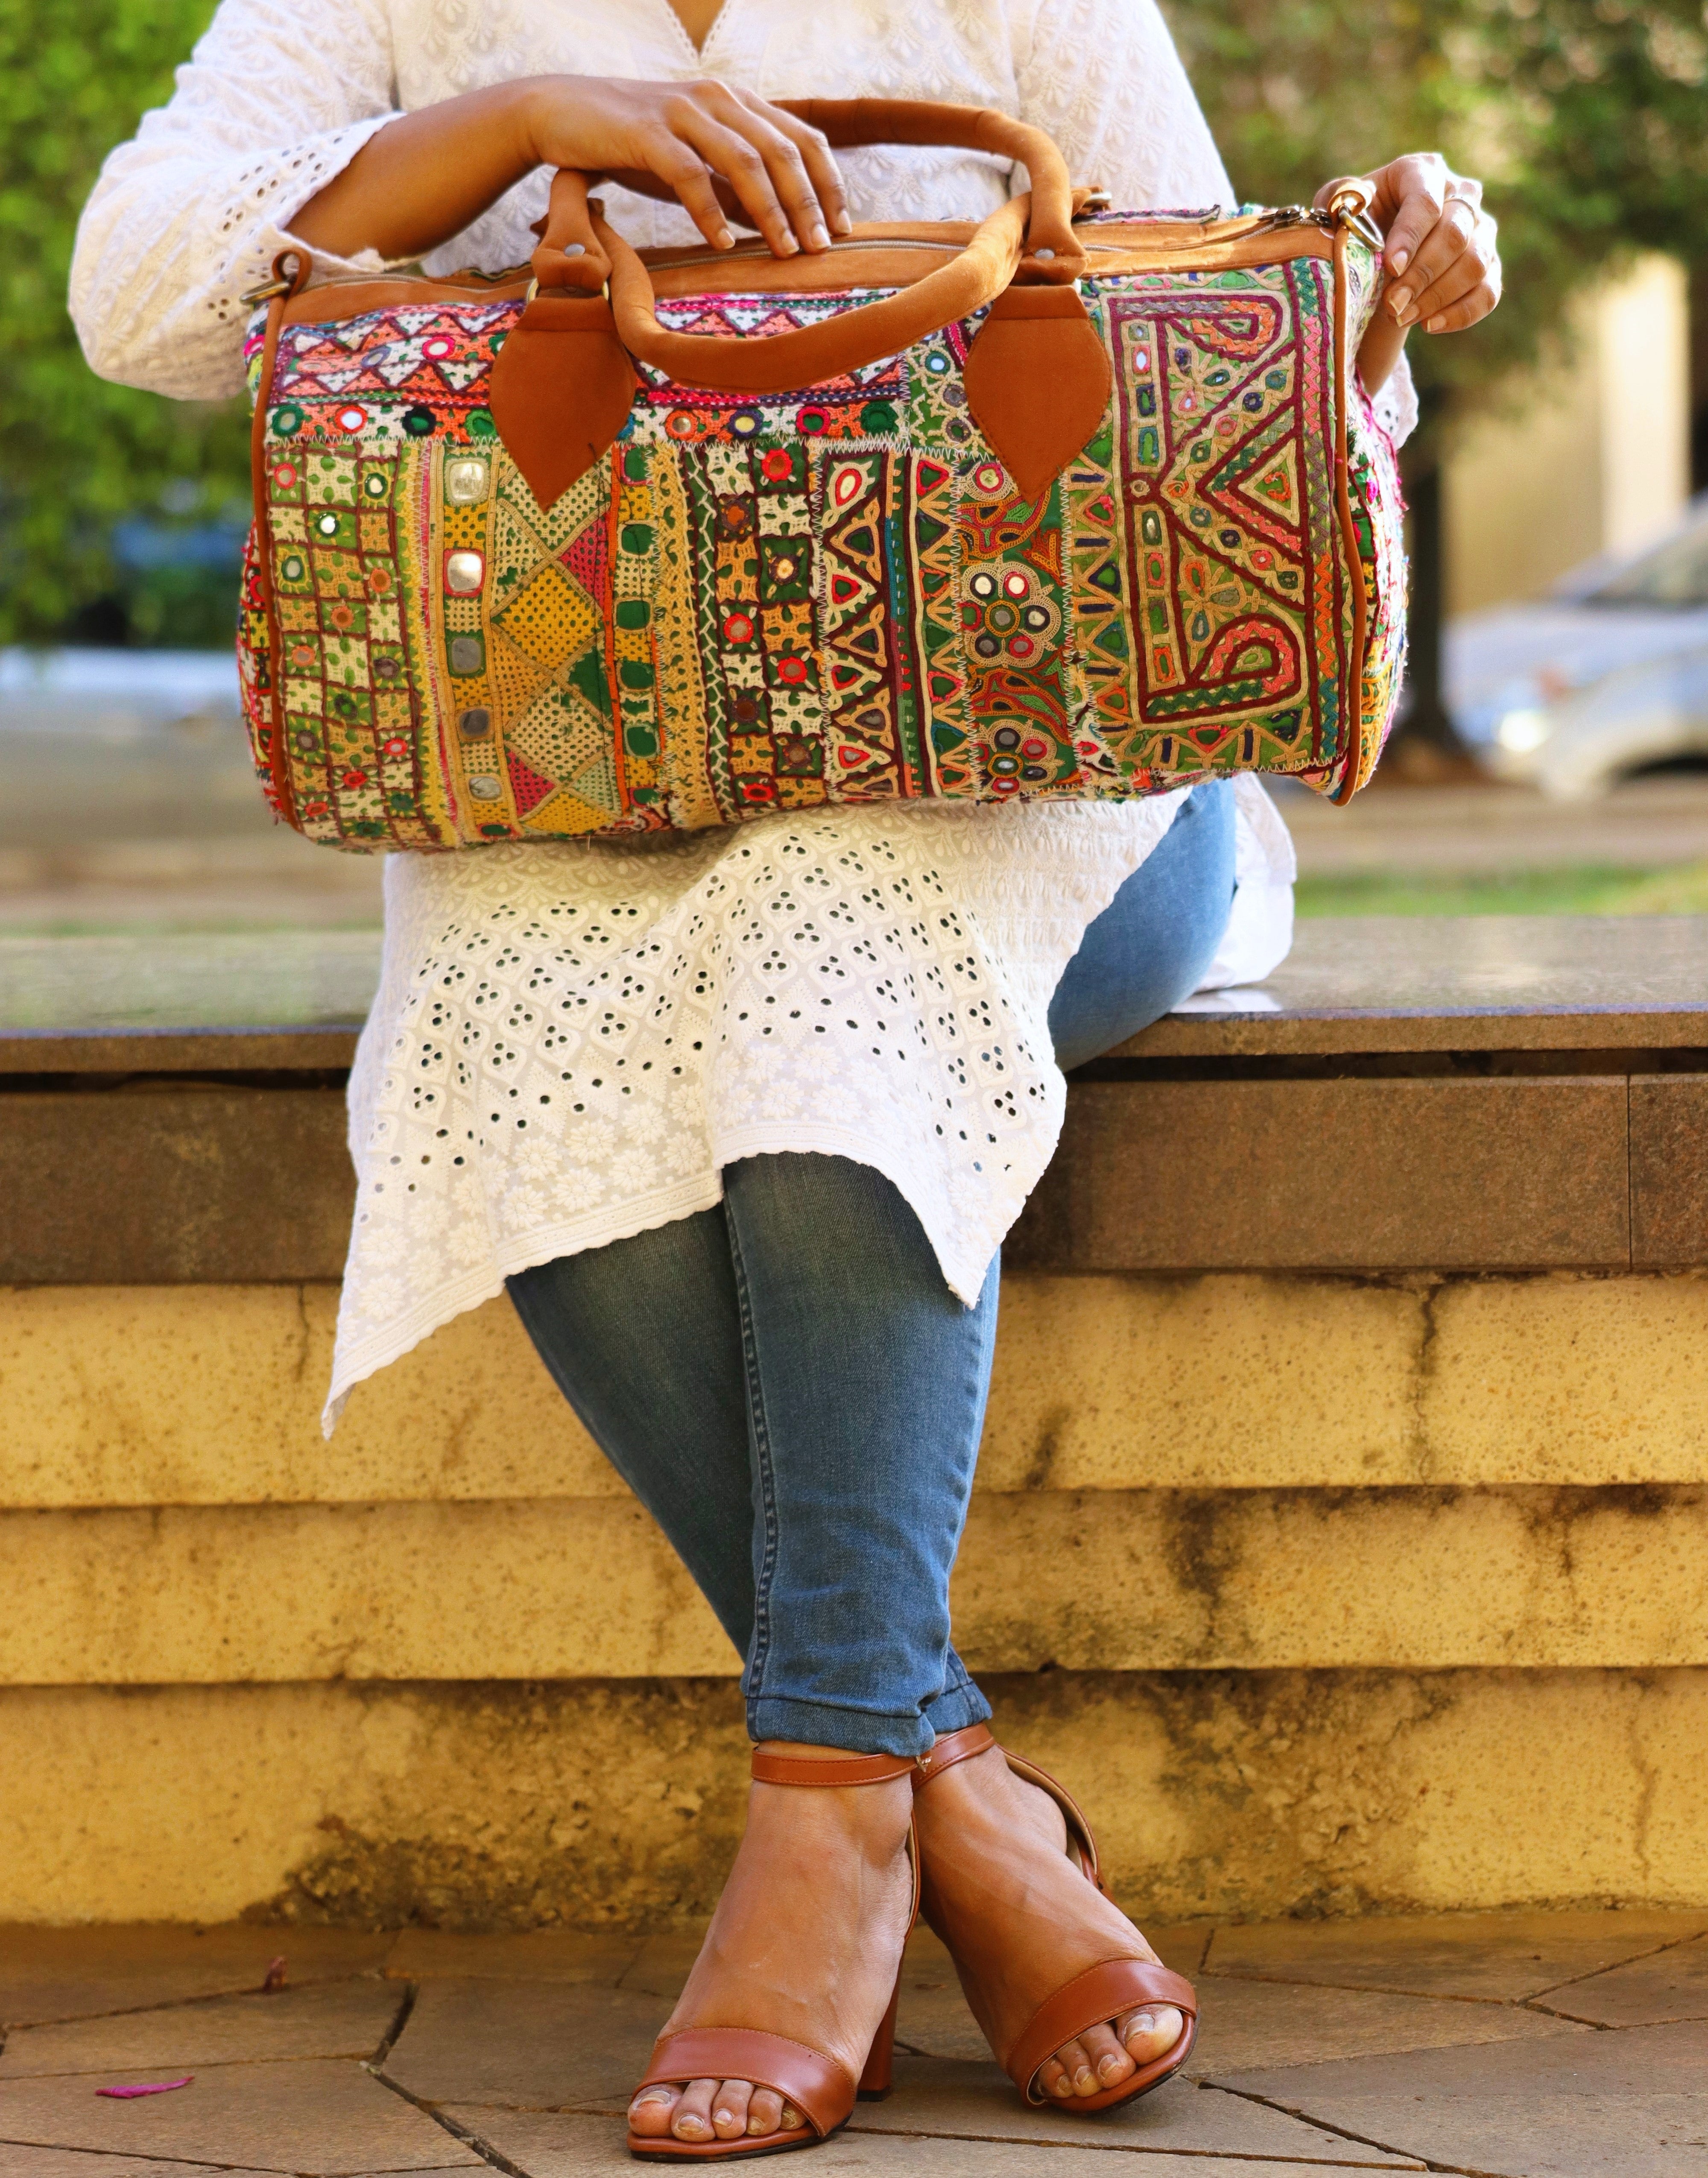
x=1100, y=1994
x=815, y=2085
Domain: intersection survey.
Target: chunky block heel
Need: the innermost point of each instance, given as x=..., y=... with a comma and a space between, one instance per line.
x=879, y=2076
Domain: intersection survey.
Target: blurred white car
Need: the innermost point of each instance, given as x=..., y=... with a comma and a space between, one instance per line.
x=101, y=744
x=1606, y=677
x=114, y=695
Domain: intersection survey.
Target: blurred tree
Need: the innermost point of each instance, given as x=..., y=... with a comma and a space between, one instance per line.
x=1585, y=117
x=77, y=455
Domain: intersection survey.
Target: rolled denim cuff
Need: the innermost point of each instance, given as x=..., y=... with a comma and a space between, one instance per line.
x=855, y=1731
x=956, y=1706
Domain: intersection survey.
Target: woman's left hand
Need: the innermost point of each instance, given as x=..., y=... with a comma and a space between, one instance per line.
x=1441, y=258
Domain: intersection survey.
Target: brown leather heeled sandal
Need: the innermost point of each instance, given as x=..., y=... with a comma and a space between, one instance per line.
x=820, y=2088
x=1099, y=1995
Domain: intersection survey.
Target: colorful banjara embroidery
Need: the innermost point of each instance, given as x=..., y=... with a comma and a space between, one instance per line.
x=835, y=596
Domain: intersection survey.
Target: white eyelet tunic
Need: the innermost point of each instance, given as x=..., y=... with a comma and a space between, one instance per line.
x=571, y=1041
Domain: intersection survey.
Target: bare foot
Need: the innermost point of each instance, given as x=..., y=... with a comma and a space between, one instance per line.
x=806, y=1943
x=1022, y=1921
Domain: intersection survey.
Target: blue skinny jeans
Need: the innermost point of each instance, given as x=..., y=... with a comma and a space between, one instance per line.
x=788, y=1385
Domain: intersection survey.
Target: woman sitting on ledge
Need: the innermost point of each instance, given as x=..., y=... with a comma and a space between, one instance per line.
x=816, y=1060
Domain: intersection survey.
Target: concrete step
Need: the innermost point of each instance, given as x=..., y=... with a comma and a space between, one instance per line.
x=1126, y=1580
x=212, y=1394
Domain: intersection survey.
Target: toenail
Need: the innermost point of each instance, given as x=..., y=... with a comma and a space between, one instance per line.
x=1083, y=2075
x=1064, y=2085
x=791, y=2118
x=1109, y=2066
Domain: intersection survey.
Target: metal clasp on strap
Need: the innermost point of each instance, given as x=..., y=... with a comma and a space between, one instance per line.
x=266, y=293
x=534, y=289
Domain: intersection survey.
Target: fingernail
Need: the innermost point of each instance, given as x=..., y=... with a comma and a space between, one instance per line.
x=1400, y=261
x=788, y=246
x=842, y=223
x=1399, y=302
x=820, y=235
x=724, y=239
x=1434, y=324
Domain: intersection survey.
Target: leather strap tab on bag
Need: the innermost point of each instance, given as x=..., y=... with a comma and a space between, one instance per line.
x=1037, y=381
x=560, y=390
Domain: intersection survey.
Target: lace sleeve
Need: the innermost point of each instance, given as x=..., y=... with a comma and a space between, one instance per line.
x=273, y=102
x=1103, y=77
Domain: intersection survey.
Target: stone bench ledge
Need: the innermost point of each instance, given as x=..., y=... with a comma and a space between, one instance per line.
x=1405, y=1095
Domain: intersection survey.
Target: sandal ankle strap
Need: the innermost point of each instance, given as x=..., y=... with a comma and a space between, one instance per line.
x=829, y=1769
x=951, y=1747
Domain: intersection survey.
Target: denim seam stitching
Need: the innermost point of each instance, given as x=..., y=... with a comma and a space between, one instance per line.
x=762, y=1457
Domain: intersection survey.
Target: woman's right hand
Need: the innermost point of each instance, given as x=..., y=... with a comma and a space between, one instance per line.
x=723, y=153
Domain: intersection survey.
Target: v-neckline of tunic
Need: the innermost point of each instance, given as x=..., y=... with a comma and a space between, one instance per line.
x=713, y=29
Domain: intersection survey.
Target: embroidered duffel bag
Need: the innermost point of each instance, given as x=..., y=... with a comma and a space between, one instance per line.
x=1073, y=504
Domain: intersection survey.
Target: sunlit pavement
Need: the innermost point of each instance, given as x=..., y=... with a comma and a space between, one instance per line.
x=1522, y=2044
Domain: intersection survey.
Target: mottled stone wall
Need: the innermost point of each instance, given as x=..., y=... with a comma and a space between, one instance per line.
x=618, y=1805
x=1326, y=1592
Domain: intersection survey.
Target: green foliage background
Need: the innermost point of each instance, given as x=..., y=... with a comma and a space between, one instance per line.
x=1587, y=119
x=75, y=453
x=1585, y=116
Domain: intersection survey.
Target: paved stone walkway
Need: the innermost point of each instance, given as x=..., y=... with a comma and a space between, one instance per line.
x=1525, y=2044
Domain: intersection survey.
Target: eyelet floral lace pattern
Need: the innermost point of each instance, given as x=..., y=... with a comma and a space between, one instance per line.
x=570, y=1042
x=573, y=1041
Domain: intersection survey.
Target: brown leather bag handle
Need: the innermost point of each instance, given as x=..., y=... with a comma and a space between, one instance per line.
x=562, y=383
x=570, y=255
x=777, y=362
x=1031, y=236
